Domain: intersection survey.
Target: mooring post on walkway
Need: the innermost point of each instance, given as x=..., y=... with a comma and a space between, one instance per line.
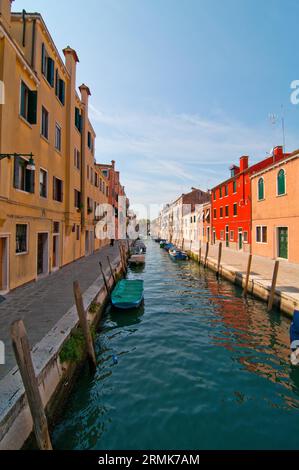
x=199, y=254
x=219, y=259
x=273, y=286
x=82, y=314
x=104, y=279
x=111, y=270
x=24, y=360
x=245, y=291
x=207, y=254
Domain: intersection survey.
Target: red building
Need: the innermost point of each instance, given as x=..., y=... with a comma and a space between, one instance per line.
x=231, y=203
x=116, y=196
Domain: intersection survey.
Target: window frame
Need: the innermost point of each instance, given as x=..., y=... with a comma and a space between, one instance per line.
x=55, y=178
x=22, y=253
x=47, y=183
x=44, y=109
x=260, y=229
x=277, y=183
x=58, y=127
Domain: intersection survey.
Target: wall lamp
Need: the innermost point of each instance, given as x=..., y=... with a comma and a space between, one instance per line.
x=30, y=164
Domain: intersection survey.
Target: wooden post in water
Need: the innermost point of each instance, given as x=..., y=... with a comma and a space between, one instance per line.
x=207, y=254
x=123, y=250
x=104, y=279
x=24, y=360
x=191, y=247
x=199, y=254
x=183, y=243
x=219, y=259
x=82, y=314
x=273, y=286
x=111, y=270
x=245, y=291
x=121, y=258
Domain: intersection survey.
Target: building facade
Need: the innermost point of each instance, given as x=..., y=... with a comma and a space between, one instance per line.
x=231, y=203
x=47, y=216
x=275, y=211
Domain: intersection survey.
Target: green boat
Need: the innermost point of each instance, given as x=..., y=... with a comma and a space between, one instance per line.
x=127, y=294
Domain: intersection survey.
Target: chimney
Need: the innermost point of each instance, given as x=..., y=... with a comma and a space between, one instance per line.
x=85, y=94
x=113, y=164
x=71, y=60
x=278, y=152
x=5, y=12
x=244, y=163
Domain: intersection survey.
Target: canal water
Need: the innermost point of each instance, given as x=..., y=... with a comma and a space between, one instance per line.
x=198, y=368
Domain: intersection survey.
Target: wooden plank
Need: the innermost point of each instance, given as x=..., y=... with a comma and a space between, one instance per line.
x=219, y=259
x=111, y=270
x=273, y=286
x=24, y=360
x=207, y=254
x=245, y=291
x=82, y=314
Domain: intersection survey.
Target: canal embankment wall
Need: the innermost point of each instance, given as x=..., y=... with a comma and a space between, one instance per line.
x=55, y=378
x=233, y=268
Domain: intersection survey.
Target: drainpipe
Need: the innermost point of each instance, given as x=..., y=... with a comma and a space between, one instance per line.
x=24, y=27
x=33, y=44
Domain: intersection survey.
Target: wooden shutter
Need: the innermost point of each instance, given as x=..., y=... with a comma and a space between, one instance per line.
x=43, y=59
x=62, y=91
x=57, y=83
x=16, y=181
x=22, y=108
x=32, y=107
x=51, y=71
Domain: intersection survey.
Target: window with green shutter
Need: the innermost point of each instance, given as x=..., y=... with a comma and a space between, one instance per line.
x=47, y=66
x=28, y=105
x=281, y=183
x=261, y=189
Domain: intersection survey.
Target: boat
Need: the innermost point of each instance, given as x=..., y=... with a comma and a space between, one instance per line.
x=168, y=246
x=139, y=247
x=137, y=260
x=157, y=240
x=163, y=243
x=178, y=254
x=127, y=294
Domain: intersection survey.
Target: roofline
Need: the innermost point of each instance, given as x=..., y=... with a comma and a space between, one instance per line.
x=293, y=156
x=39, y=17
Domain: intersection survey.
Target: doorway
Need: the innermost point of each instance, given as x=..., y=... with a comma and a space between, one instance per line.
x=283, y=242
x=4, y=282
x=227, y=236
x=55, y=251
x=42, y=254
x=240, y=239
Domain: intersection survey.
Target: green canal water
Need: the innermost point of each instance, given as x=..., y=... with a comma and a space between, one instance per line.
x=198, y=368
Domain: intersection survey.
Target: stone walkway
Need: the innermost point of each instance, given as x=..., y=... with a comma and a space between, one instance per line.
x=41, y=304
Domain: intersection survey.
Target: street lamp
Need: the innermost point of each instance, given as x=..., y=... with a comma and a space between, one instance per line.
x=30, y=164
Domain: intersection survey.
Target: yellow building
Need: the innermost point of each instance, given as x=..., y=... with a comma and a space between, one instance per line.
x=47, y=216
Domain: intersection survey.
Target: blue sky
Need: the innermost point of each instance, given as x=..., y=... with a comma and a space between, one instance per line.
x=181, y=89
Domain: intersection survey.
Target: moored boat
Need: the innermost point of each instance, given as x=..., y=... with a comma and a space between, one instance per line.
x=168, y=246
x=178, y=254
x=127, y=294
x=163, y=243
x=137, y=260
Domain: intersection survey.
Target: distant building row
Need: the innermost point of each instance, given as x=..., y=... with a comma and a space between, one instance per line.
x=47, y=216
x=256, y=210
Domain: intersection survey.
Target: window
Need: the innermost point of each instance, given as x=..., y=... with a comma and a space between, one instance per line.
x=245, y=237
x=281, y=183
x=220, y=192
x=89, y=205
x=21, y=238
x=60, y=88
x=47, y=66
x=235, y=209
x=226, y=211
x=234, y=186
x=232, y=235
x=45, y=123
x=96, y=181
x=77, y=159
x=215, y=213
x=226, y=190
x=261, y=189
x=43, y=183
x=57, y=137
x=23, y=178
x=194, y=219
x=56, y=228
x=28, y=106
x=91, y=175
x=214, y=195
x=88, y=172
x=221, y=234
x=105, y=173
x=89, y=140
x=57, y=189
x=221, y=212
x=78, y=119
x=77, y=199
x=78, y=232
x=261, y=234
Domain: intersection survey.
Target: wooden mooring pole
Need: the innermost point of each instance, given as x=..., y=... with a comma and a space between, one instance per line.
x=245, y=291
x=183, y=243
x=207, y=254
x=273, y=286
x=82, y=314
x=111, y=270
x=199, y=254
x=104, y=279
x=121, y=257
x=24, y=360
x=219, y=259
x=191, y=247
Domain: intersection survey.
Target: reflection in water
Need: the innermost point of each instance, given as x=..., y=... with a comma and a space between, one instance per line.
x=198, y=368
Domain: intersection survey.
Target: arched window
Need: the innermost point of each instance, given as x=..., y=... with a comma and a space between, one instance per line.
x=281, y=182
x=261, y=189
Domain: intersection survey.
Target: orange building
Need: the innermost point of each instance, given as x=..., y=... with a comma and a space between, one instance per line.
x=275, y=210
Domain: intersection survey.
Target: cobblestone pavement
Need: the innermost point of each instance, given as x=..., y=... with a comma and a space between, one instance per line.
x=41, y=304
